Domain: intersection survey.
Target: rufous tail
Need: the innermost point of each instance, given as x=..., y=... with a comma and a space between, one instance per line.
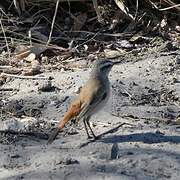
x=71, y=113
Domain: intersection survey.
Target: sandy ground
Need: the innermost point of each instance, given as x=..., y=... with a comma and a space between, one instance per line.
x=145, y=93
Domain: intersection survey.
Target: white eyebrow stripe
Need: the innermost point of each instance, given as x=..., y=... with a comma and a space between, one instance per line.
x=106, y=64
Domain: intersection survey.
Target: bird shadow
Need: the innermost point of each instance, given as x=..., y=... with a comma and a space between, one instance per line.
x=145, y=137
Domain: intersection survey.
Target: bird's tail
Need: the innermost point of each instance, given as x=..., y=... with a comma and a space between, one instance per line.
x=71, y=113
x=55, y=132
x=53, y=135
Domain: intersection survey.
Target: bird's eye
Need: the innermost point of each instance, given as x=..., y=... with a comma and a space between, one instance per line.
x=106, y=66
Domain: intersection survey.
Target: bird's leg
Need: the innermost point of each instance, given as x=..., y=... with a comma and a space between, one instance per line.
x=87, y=121
x=73, y=127
x=85, y=125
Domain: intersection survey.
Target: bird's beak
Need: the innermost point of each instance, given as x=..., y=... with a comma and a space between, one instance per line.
x=117, y=62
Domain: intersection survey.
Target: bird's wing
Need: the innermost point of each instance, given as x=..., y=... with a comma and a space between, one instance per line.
x=81, y=108
x=95, y=99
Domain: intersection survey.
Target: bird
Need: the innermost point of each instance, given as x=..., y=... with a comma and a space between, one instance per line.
x=92, y=98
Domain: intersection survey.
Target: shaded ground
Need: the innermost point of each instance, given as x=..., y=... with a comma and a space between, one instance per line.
x=145, y=93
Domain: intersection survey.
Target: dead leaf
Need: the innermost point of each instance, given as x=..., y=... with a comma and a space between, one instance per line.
x=139, y=39
x=113, y=53
x=33, y=70
x=31, y=57
x=123, y=8
x=124, y=44
x=30, y=50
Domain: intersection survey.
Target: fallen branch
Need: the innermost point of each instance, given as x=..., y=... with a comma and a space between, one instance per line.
x=100, y=34
x=7, y=89
x=24, y=77
x=34, y=134
x=101, y=124
x=174, y=6
x=5, y=38
x=5, y=67
x=53, y=21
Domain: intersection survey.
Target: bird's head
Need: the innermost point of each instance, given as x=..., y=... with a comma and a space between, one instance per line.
x=103, y=66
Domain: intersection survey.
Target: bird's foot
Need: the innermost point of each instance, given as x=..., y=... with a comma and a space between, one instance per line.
x=72, y=131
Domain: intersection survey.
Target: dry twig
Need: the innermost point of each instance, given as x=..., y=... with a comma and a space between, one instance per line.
x=34, y=134
x=7, y=89
x=5, y=38
x=5, y=67
x=53, y=21
x=171, y=7
x=24, y=77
